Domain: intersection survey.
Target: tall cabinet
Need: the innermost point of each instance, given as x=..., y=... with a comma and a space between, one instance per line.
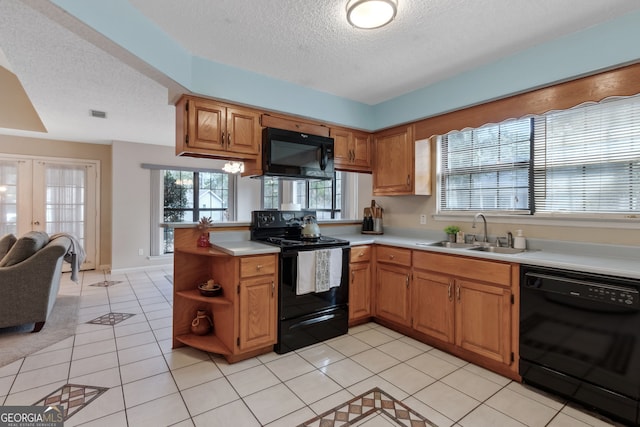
x=244, y=316
x=402, y=165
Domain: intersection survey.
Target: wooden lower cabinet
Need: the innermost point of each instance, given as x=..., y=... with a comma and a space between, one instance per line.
x=360, y=284
x=393, y=279
x=257, y=313
x=244, y=316
x=483, y=319
x=433, y=308
x=469, y=313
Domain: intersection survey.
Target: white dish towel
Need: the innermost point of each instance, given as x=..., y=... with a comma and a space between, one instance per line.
x=306, y=272
x=319, y=270
x=328, y=269
x=323, y=270
x=335, y=267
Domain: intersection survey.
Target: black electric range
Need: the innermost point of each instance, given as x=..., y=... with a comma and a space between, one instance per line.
x=310, y=317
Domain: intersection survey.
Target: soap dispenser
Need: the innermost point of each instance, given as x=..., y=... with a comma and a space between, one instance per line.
x=519, y=242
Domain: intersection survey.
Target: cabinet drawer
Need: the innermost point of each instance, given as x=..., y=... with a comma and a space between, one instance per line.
x=360, y=254
x=391, y=255
x=470, y=268
x=257, y=266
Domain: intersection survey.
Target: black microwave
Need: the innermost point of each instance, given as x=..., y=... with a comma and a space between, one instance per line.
x=295, y=155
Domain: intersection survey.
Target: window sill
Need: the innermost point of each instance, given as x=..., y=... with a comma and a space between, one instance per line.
x=564, y=220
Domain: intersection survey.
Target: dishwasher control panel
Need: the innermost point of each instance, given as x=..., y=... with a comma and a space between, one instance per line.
x=603, y=289
x=611, y=294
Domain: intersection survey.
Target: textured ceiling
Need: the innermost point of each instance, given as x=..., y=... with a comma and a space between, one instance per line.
x=306, y=42
x=309, y=42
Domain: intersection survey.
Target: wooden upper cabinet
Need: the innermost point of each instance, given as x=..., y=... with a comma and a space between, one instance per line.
x=402, y=165
x=244, y=133
x=279, y=122
x=205, y=128
x=352, y=150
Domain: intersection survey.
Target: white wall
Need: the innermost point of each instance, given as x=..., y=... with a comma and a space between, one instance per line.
x=132, y=198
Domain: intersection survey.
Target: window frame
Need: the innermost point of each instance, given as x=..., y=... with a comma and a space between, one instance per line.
x=536, y=170
x=286, y=191
x=478, y=170
x=157, y=230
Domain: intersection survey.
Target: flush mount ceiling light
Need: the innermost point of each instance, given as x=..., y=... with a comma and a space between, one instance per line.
x=370, y=14
x=233, y=167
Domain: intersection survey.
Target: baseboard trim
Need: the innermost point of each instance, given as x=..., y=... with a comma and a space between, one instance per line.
x=143, y=267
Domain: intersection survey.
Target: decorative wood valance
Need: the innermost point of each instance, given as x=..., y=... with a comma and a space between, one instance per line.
x=623, y=81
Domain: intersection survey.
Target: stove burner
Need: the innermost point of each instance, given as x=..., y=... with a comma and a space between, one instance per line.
x=281, y=241
x=283, y=229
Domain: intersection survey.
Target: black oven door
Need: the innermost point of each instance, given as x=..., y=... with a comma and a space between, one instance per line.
x=293, y=306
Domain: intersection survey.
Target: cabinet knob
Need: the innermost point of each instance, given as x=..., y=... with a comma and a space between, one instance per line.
x=361, y=254
x=259, y=267
x=392, y=256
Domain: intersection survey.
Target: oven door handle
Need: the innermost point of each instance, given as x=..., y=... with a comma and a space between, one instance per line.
x=314, y=320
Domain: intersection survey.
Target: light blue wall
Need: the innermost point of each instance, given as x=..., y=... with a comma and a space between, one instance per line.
x=604, y=46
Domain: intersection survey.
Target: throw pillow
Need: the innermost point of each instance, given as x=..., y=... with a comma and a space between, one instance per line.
x=25, y=246
x=5, y=244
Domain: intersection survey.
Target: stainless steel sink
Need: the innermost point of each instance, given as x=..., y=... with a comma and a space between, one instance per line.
x=452, y=245
x=497, y=249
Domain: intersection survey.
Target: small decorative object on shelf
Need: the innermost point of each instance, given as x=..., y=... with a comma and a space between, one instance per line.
x=210, y=289
x=452, y=231
x=201, y=324
x=203, y=226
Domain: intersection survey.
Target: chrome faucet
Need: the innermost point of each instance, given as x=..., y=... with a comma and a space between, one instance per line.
x=485, y=238
x=509, y=239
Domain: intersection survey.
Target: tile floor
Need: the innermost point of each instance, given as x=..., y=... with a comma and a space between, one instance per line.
x=120, y=370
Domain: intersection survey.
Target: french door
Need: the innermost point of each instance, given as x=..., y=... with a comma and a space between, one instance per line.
x=53, y=195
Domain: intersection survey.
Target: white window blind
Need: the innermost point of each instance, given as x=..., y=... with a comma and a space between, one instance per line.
x=486, y=168
x=587, y=159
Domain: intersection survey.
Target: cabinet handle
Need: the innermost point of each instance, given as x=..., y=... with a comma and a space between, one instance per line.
x=407, y=281
x=353, y=156
x=259, y=267
x=273, y=288
x=458, y=292
x=353, y=276
x=449, y=290
x=228, y=139
x=223, y=135
x=361, y=254
x=392, y=256
x=408, y=179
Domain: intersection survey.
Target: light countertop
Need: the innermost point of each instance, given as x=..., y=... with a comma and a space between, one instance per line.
x=623, y=261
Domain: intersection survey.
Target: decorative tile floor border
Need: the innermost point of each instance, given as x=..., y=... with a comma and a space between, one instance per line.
x=110, y=318
x=106, y=283
x=373, y=402
x=72, y=398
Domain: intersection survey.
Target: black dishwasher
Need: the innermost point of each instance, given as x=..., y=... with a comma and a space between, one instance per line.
x=579, y=337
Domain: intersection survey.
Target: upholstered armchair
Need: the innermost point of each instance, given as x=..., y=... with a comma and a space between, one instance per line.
x=30, y=273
